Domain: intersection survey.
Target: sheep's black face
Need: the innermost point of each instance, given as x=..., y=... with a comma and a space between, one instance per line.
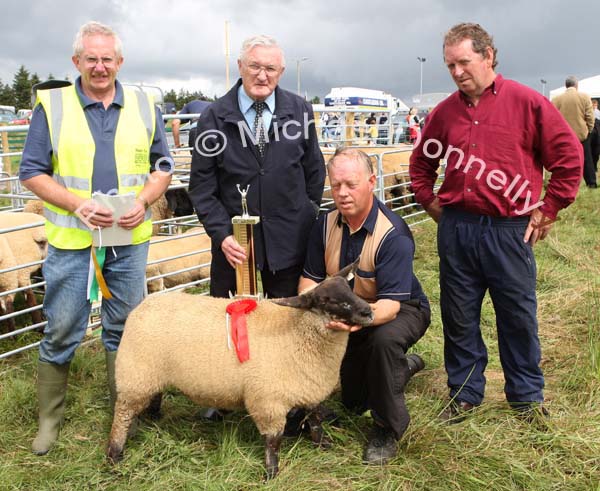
x=335, y=298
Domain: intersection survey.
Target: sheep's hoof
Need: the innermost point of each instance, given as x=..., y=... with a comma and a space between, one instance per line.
x=324, y=443
x=272, y=472
x=114, y=454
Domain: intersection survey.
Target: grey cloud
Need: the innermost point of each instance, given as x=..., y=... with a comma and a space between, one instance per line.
x=371, y=44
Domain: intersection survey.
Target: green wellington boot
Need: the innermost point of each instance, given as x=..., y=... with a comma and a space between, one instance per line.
x=51, y=388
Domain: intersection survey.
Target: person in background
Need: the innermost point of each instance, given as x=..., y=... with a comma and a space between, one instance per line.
x=92, y=136
x=576, y=108
x=414, y=125
x=595, y=136
x=375, y=368
x=496, y=137
x=193, y=107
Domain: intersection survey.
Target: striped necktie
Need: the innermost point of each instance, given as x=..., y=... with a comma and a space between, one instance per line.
x=259, y=127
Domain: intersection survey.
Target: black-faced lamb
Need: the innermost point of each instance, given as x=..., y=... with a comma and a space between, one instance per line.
x=178, y=339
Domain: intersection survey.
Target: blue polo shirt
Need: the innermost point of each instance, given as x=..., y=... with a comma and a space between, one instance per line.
x=37, y=153
x=394, y=275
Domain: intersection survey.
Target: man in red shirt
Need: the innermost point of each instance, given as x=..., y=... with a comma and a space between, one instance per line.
x=495, y=136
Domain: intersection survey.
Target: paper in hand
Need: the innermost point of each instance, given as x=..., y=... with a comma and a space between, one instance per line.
x=115, y=235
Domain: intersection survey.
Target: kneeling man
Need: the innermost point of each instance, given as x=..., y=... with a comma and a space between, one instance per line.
x=375, y=368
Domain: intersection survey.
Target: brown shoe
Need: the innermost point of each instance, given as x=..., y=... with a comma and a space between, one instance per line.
x=456, y=411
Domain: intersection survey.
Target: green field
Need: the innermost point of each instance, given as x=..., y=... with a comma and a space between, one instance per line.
x=491, y=450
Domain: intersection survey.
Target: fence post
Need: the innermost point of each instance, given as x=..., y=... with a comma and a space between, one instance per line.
x=380, y=178
x=5, y=149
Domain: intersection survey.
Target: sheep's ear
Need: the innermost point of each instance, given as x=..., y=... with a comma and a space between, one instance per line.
x=348, y=271
x=303, y=301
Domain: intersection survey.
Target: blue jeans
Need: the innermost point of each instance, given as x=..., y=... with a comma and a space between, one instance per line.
x=480, y=253
x=67, y=308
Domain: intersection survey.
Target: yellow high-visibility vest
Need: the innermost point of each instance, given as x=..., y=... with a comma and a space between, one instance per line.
x=73, y=152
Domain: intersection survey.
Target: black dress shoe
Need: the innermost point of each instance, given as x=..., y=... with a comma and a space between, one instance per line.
x=456, y=411
x=381, y=446
x=415, y=363
x=592, y=186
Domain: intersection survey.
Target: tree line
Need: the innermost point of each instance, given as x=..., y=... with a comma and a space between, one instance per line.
x=18, y=93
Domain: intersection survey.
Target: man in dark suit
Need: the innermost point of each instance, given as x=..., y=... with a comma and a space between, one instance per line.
x=261, y=136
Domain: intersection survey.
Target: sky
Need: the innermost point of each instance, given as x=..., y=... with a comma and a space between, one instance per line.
x=372, y=44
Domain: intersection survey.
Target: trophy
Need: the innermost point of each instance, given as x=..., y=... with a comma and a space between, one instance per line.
x=245, y=273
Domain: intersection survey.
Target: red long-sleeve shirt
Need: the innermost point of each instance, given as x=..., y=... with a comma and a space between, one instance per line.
x=495, y=153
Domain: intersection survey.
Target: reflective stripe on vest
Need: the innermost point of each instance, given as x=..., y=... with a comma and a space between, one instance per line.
x=365, y=285
x=73, y=151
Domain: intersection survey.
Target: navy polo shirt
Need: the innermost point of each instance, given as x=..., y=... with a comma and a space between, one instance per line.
x=37, y=153
x=394, y=275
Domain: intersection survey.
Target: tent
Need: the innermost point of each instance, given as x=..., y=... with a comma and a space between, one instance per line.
x=590, y=86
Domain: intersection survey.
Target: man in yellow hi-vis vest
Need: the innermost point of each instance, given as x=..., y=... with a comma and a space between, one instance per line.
x=93, y=136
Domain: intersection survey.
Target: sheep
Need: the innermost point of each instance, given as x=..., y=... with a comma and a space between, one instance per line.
x=178, y=339
x=8, y=281
x=179, y=202
x=188, y=242
x=34, y=206
x=25, y=246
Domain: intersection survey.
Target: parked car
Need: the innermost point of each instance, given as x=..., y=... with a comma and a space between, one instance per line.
x=23, y=116
x=7, y=116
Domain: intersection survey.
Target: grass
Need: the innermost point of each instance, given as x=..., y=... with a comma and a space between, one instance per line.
x=491, y=450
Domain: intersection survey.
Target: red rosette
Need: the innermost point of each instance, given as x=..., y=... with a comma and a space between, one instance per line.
x=239, y=331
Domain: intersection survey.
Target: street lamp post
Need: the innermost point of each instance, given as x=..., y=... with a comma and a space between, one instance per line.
x=543, y=86
x=298, y=61
x=421, y=60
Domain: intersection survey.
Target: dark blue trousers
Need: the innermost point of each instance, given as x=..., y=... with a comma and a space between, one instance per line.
x=478, y=254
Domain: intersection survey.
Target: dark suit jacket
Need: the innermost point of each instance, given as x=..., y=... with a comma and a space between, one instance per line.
x=286, y=185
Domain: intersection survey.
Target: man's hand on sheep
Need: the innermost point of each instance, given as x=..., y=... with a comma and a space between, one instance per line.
x=341, y=326
x=133, y=217
x=94, y=215
x=234, y=252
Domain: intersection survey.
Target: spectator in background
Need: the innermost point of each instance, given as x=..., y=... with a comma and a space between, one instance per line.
x=372, y=131
x=383, y=129
x=595, y=137
x=193, y=107
x=576, y=108
x=414, y=125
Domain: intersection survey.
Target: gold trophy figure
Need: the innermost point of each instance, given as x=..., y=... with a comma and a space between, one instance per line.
x=245, y=273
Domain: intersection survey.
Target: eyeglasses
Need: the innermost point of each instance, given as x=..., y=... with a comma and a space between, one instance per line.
x=270, y=70
x=92, y=61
